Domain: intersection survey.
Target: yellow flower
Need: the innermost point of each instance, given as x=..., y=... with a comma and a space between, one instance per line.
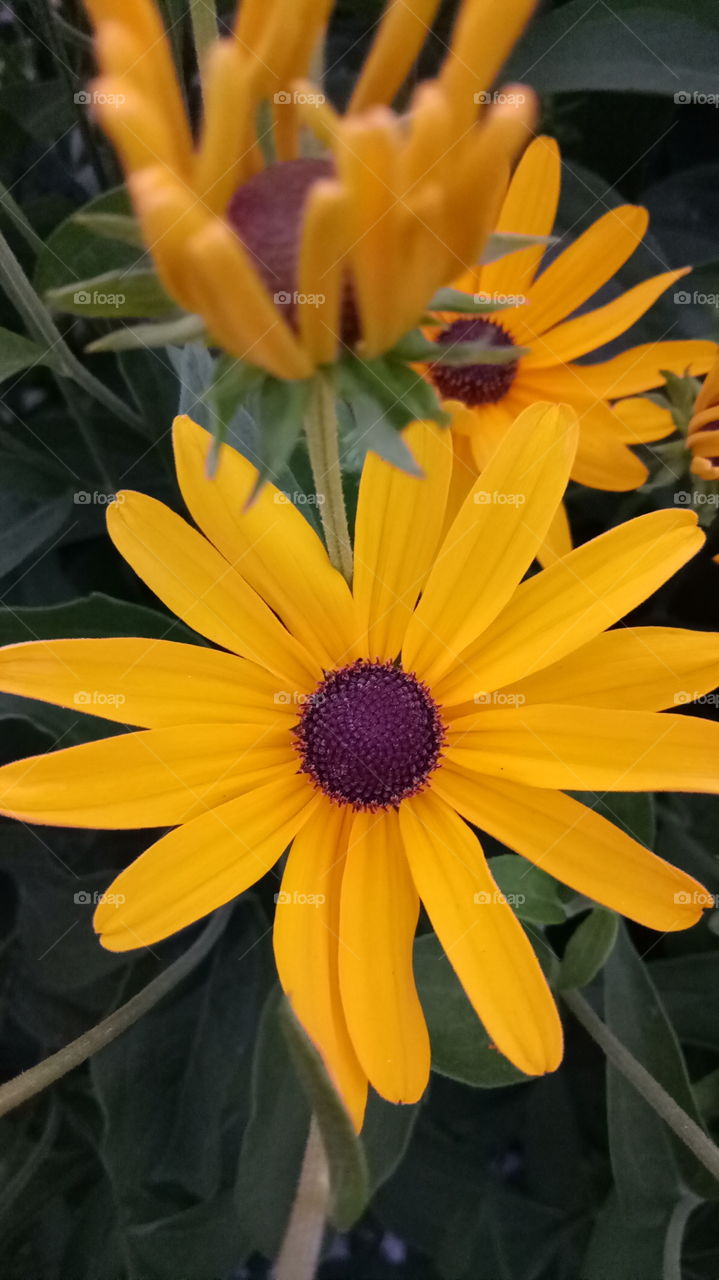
x=703, y=434
x=485, y=399
x=366, y=232
x=366, y=728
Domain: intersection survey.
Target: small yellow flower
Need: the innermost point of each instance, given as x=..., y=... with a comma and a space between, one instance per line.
x=485, y=399
x=703, y=434
x=366, y=728
x=285, y=262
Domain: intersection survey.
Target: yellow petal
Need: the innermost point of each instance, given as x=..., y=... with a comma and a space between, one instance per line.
x=134, y=122
x=480, y=43
x=530, y=208
x=306, y=940
x=483, y=940
x=588, y=749
x=399, y=522
x=402, y=32
x=558, y=539
x=709, y=394
x=199, y=586
x=229, y=91
x=377, y=925
x=203, y=864
x=323, y=246
x=271, y=544
x=560, y=609
x=643, y=422
x=579, y=847
x=591, y=331
x=632, y=669
x=150, y=683
x=493, y=539
x=639, y=369
x=153, y=778
x=605, y=462
x=582, y=268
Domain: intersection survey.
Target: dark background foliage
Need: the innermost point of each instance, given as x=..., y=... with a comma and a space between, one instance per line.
x=173, y=1155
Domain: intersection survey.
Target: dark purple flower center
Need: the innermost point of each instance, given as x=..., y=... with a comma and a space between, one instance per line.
x=475, y=384
x=267, y=212
x=370, y=735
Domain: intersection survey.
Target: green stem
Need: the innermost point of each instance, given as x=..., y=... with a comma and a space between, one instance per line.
x=16, y=215
x=323, y=444
x=301, y=1247
x=203, y=17
x=657, y=1098
x=44, y=331
x=25, y=1086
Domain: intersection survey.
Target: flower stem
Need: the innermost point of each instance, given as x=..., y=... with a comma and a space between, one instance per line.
x=300, y=1251
x=323, y=445
x=657, y=1098
x=26, y=1085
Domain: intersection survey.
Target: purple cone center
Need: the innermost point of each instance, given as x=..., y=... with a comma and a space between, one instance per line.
x=475, y=384
x=267, y=213
x=370, y=735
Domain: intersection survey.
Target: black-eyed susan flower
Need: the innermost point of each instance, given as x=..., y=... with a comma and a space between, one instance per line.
x=287, y=261
x=703, y=433
x=540, y=319
x=366, y=728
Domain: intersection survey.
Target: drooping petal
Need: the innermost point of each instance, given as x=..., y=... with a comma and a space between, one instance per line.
x=494, y=538
x=483, y=940
x=269, y=542
x=399, y=523
x=631, y=668
x=588, y=749
x=306, y=942
x=377, y=925
x=203, y=864
x=149, y=683
x=605, y=462
x=639, y=369
x=202, y=589
x=578, y=846
x=558, y=610
x=153, y=778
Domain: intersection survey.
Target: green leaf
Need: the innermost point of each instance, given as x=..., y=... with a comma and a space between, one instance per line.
x=634, y=1240
x=96, y=615
x=386, y=1134
x=378, y=398
x=633, y=812
x=504, y=242
x=646, y=1157
x=73, y=250
x=689, y=989
x=164, y=334
x=349, y=1178
x=415, y=347
x=627, y=47
x=112, y=226
x=531, y=892
x=18, y=353
x=278, y=408
x=469, y=303
x=588, y=949
x=461, y=1048
x=112, y=295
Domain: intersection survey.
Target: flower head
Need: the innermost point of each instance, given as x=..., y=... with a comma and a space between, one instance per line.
x=538, y=317
x=288, y=261
x=367, y=728
x=703, y=434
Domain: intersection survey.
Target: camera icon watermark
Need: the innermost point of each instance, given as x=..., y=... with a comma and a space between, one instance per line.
x=298, y=498
x=98, y=698
x=503, y=299
x=683, y=298
x=283, y=298
x=683, y=697
x=298, y=98
x=699, y=898
x=485, y=497
x=83, y=298
x=686, y=97
x=498, y=698
x=296, y=899
x=83, y=898
x=94, y=98
x=690, y=498
x=486, y=898
x=98, y=498
x=497, y=97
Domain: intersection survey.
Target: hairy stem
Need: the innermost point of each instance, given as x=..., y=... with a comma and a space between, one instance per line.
x=300, y=1251
x=323, y=443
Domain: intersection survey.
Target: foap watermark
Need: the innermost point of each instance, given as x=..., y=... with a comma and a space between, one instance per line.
x=298, y=98
x=688, y=498
x=94, y=98
x=284, y=298
x=485, y=897
x=299, y=499
x=487, y=497
x=501, y=299
x=695, y=98
x=296, y=899
x=98, y=498
x=698, y=898
x=499, y=97
x=499, y=698
x=293, y=698
x=84, y=898
x=98, y=698
x=86, y=298
x=684, y=696
x=685, y=298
